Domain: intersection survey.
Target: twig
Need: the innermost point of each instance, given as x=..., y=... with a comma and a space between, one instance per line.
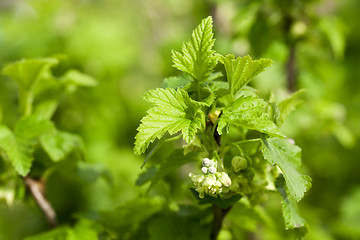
x=219, y=215
x=291, y=68
x=37, y=191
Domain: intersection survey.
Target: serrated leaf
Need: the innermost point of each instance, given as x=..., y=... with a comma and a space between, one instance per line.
x=26, y=72
x=18, y=146
x=18, y=152
x=248, y=111
x=287, y=106
x=197, y=57
x=174, y=111
x=177, y=82
x=59, y=144
x=289, y=207
x=242, y=70
x=174, y=161
x=287, y=157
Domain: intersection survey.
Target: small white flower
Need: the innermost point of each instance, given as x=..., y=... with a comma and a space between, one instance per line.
x=206, y=162
x=204, y=170
x=212, y=170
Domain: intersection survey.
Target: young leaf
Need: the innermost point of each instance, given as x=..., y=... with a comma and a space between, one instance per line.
x=174, y=111
x=19, y=153
x=241, y=70
x=289, y=207
x=287, y=106
x=31, y=127
x=248, y=111
x=74, y=77
x=177, y=82
x=287, y=157
x=174, y=161
x=59, y=144
x=197, y=57
x=18, y=146
x=26, y=72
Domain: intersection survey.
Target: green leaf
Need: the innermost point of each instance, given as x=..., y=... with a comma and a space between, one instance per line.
x=287, y=106
x=46, y=109
x=83, y=230
x=197, y=57
x=174, y=161
x=177, y=82
x=26, y=72
x=248, y=111
x=242, y=70
x=59, y=144
x=18, y=152
x=77, y=78
x=222, y=203
x=146, y=176
x=31, y=127
x=18, y=146
x=287, y=157
x=174, y=111
x=60, y=233
x=289, y=207
x=130, y=213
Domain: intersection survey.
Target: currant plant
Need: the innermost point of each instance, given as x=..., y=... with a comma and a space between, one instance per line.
x=39, y=92
x=231, y=134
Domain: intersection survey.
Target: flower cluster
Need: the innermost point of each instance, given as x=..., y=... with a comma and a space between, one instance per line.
x=210, y=182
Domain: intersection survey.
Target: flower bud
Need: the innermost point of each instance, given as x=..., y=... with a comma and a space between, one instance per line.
x=290, y=140
x=206, y=162
x=212, y=170
x=223, y=178
x=238, y=163
x=204, y=170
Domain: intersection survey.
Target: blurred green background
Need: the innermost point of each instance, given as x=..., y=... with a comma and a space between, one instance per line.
x=126, y=46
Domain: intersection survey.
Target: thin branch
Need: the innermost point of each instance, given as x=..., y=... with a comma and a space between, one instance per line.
x=219, y=215
x=291, y=70
x=37, y=191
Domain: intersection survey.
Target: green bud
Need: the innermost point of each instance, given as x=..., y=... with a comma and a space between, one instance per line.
x=238, y=163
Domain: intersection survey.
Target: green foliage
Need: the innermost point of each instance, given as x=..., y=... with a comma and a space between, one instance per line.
x=248, y=111
x=35, y=80
x=127, y=48
x=242, y=70
x=175, y=111
x=287, y=106
x=289, y=207
x=83, y=230
x=175, y=161
x=197, y=57
x=27, y=72
x=17, y=152
x=226, y=109
x=59, y=144
x=287, y=157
